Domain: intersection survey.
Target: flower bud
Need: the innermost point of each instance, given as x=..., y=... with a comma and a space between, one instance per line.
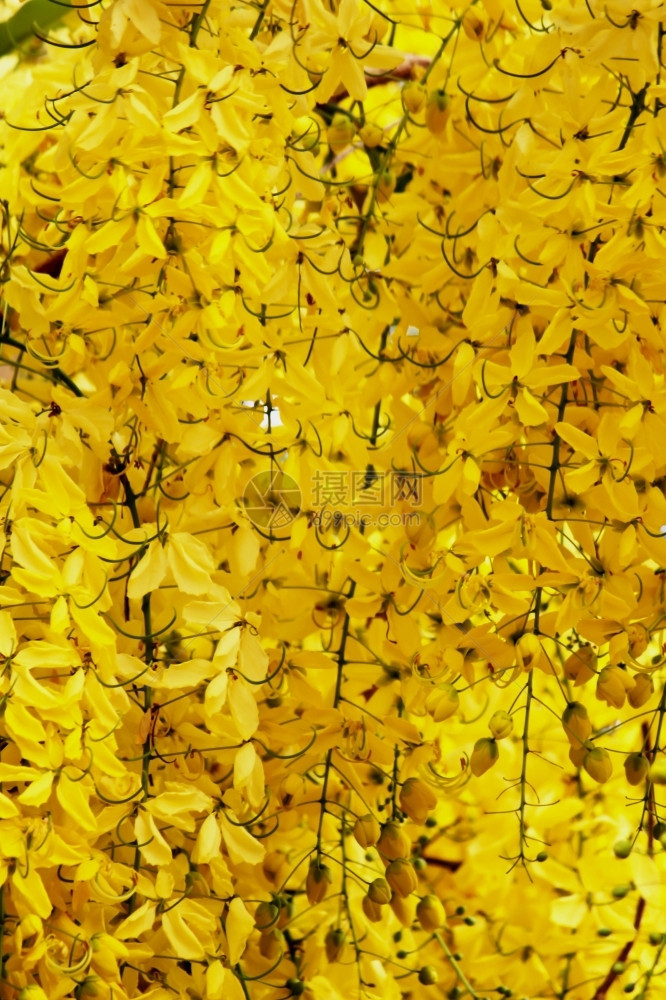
x=612, y=686
x=340, y=133
x=385, y=185
x=598, y=764
x=32, y=993
x=414, y=96
x=576, y=723
x=473, y=25
x=442, y=702
x=641, y=692
x=371, y=135
x=379, y=892
x=266, y=916
x=580, y=665
x=577, y=753
x=417, y=799
x=500, y=725
x=317, y=882
x=622, y=848
x=428, y=975
x=271, y=943
x=403, y=909
x=372, y=910
x=334, y=944
x=430, y=913
x=484, y=755
x=394, y=842
x=437, y=112
x=401, y=876
x=636, y=768
x=528, y=651
x=90, y=987
x=366, y=831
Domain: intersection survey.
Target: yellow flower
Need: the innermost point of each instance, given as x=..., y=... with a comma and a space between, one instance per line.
x=641, y=692
x=612, y=686
x=442, y=702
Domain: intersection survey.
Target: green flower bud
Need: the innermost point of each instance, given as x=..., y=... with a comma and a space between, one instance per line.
x=428, y=975
x=622, y=848
x=379, y=892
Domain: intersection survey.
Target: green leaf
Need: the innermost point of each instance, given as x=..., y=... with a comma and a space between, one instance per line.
x=33, y=15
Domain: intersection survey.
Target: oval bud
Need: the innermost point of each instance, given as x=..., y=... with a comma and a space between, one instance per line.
x=598, y=764
x=385, y=185
x=428, y=975
x=366, y=831
x=266, y=916
x=271, y=944
x=622, y=848
x=500, y=725
x=334, y=944
x=372, y=910
x=379, y=892
x=430, y=913
x=340, y=133
x=401, y=876
x=317, y=882
x=414, y=96
x=394, y=842
x=484, y=755
x=371, y=135
x=636, y=768
x=437, y=111
x=576, y=723
x=417, y=799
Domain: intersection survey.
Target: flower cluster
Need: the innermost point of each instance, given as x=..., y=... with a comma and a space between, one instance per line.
x=249, y=751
